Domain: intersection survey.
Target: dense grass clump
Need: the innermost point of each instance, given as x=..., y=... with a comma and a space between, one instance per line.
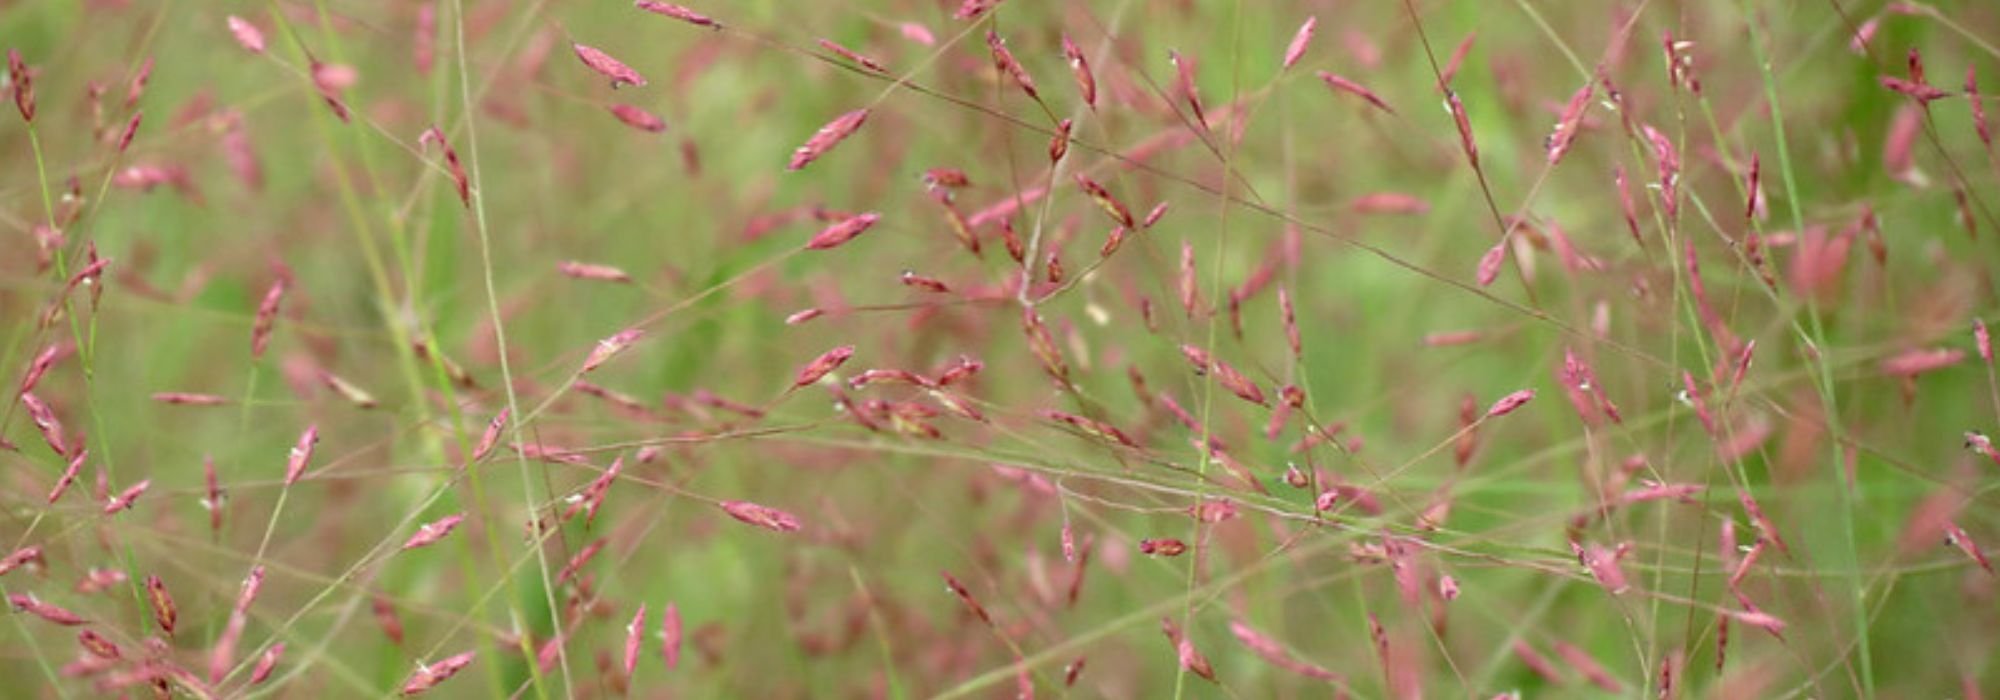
x=1413, y=348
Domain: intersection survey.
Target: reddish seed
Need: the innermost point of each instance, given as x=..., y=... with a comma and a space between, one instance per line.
x=1464, y=123
x=98, y=646
x=972, y=9
x=965, y=596
x=1923, y=94
x=803, y=315
x=428, y=676
x=827, y=137
x=1348, y=86
x=761, y=516
x=609, y=67
x=638, y=118
x=1043, y=345
x=1162, y=547
x=1300, y=41
x=677, y=12
x=247, y=35
x=164, y=612
x=1111, y=206
x=843, y=231
x=1153, y=217
x=24, y=85
x=458, y=176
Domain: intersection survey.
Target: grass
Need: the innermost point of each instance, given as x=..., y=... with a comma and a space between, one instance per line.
x=1390, y=535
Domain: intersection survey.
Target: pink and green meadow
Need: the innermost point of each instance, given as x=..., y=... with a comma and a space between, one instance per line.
x=999, y=349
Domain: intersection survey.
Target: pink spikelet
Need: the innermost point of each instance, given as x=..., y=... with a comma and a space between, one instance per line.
x=1603, y=565
x=677, y=12
x=1086, y=82
x=267, y=317
x=428, y=676
x=181, y=398
x=1353, y=88
x=823, y=365
x=605, y=65
x=610, y=347
x=1507, y=404
x=301, y=454
x=843, y=231
x=1458, y=117
x=247, y=35
x=1489, y=264
x=123, y=501
x=1300, y=41
x=458, y=176
x=965, y=596
x=761, y=516
x=1184, y=78
x=1004, y=61
x=40, y=366
x=1190, y=658
x=973, y=9
x=1982, y=341
x=827, y=137
x=855, y=56
x=638, y=118
x=69, y=477
x=1274, y=653
x=491, y=437
x=635, y=635
x=47, y=611
x=670, y=636
x=1566, y=126
x=19, y=558
x=588, y=271
x=212, y=501
x=267, y=663
x=333, y=79
x=1979, y=124
x=429, y=533
x=46, y=422
x=1955, y=536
